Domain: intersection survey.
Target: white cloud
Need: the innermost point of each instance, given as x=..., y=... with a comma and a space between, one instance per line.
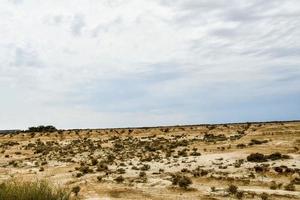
x=58, y=57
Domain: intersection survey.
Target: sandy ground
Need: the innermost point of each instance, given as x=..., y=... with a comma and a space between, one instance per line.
x=148, y=160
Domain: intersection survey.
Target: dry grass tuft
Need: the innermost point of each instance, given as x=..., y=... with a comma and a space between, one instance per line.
x=38, y=190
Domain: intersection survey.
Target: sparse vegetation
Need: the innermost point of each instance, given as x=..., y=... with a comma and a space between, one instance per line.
x=155, y=156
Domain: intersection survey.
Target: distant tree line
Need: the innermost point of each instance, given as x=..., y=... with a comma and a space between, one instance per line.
x=9, y=131
x=48, y=128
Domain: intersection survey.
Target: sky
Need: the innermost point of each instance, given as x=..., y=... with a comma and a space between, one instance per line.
x=124, y=63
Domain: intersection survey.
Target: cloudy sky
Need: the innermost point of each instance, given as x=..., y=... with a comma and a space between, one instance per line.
x=119, y=63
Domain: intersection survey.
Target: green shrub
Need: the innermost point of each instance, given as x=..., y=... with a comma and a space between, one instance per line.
x=142, y=174
x=181, y=181
x=274, y=185
x=38, y=190
x=145, y=167
x=119, y=179
x=256, y=157
x=239, y=194
x=76, y=190
x=240, y=146
x=254, y=141
x=121, y=171
x=99, y=178
x=264, y=196
x=213, y=188
x=232, y=189
x=102, y=167
x=94, y=161
x=175, y=179
x=184, y=182
x=277, y=156
x=290, y=187
x=85, y=169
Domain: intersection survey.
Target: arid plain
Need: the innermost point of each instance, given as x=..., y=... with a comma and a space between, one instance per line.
x=225, y=161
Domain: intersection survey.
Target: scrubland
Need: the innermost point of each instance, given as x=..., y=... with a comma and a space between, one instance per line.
x=209, y=162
